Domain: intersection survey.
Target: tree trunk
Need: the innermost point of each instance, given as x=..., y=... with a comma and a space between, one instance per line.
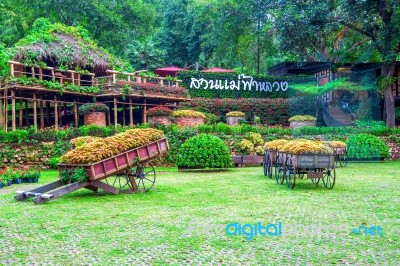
x=388, y=71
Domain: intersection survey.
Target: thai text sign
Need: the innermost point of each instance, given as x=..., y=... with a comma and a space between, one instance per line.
x=242, y=83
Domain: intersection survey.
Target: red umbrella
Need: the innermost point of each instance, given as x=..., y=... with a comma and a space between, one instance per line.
x=168, y=71
x=216, y=69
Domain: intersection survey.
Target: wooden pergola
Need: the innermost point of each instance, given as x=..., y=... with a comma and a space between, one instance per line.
x=40, y=107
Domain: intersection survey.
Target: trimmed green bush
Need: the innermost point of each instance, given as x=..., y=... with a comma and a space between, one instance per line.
x=204, y=151
x=365, y=146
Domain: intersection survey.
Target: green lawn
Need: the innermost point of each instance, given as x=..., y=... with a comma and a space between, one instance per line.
x=149, y=228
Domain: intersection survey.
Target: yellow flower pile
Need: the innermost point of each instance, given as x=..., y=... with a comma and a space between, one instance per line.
x=275, y=144
x=298, y=146
x=235, y=114
x=302, y=118
x=79, y=141
x=188, y=113
x=338, y=144
x=103, y=148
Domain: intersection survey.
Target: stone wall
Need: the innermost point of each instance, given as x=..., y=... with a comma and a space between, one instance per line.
x=95, y=118
x=24, y=156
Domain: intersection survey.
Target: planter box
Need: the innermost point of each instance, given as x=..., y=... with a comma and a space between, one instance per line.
x=247, y=159
x=233, y=120
x=189, y=121
x=299, y=124
x=95, y=118
x=164, y=120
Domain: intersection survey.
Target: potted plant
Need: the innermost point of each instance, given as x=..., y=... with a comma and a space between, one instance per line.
x=233, y=118
x=94, y=113
x=16, y=177
x=189, y=118
x=159, y=115
x=299, y=121
x=32, y=176
x=47, y=137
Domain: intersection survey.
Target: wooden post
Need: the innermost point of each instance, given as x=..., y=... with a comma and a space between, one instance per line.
x=40, y=73
x=48, y=113
x=33, y=72
x=130, y=113
x=21, y=113
x=53, y=77
x=13, y=116
x=41, y=113
x=76, y=114
x=115, y=112
x=109, y=115
x=1, y=112
x=34, y=111
x=55, y=113
x=63, y=117
x=144, y=112
x=12, y=69
x=6, y=110
x=123, y=114
x=26, y=113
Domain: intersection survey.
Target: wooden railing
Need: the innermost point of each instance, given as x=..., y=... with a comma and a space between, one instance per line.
x=18, y=69
x=111, y=78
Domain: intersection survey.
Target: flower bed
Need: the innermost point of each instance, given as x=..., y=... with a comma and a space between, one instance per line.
x=159, y=115
x=234, y=117
x=189, y=118
x=300, y=121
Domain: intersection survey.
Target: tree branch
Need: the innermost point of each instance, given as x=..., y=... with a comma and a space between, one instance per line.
x=355, y=28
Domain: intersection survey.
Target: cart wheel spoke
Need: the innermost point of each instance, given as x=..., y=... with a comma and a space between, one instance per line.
x=145, y=177
x=290, y=173
x=279, y=171
x=329, y=178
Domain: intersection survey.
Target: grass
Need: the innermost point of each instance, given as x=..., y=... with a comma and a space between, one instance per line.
x=150, y=228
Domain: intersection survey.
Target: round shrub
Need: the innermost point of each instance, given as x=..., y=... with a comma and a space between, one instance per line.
x=204, y=151
x=366, y=146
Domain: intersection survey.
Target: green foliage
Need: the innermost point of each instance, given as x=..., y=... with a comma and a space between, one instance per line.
x=204, y=151
x=32, y=174
x=94, y=130
x=302, y=118
x=365, y=146
x=60, y=148
x=93, y=107
x=23, y=80
x=176, y=137
x=78, y=174
x=17, y=136
x=270, y=111
x=53, y=162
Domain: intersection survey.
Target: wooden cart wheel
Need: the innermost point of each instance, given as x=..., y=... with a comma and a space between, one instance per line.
x=290, y=173
x=119, y=181
x=329, y=178
x=279, y=171
x=343, y=159
x=144, y=176
x=267, y=165
x=315, y=181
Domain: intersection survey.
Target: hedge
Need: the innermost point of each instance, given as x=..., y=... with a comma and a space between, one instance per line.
x=270, y=111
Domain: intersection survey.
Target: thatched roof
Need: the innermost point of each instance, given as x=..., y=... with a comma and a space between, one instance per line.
x=59, y=45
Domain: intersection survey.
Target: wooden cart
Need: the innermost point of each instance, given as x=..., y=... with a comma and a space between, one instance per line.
x=269, y=162
x=340, y=155
x=127, y=170
x=314, y=166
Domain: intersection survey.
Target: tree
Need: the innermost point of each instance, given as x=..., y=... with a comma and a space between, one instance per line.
x=320, y=31
x=145, y=54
